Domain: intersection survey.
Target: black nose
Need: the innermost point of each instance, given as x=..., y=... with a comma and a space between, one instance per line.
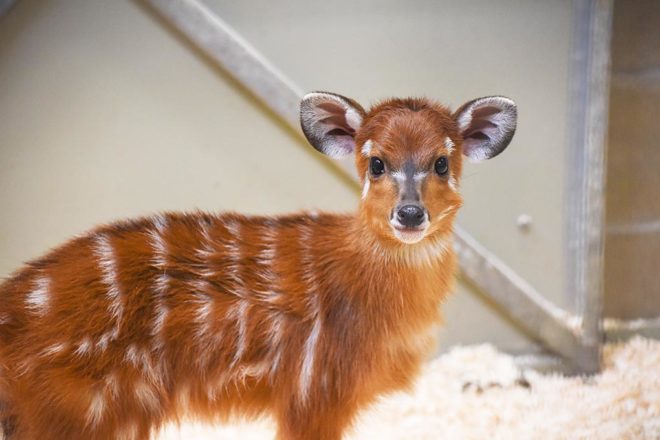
x=410, y=216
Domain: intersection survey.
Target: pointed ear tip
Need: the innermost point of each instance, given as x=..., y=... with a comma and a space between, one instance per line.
x=504, y=99
x=307, y=96
x=316, y=94
x=509, y=102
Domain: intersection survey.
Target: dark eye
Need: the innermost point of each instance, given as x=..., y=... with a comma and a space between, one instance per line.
x=442, y=166
x=377, y=166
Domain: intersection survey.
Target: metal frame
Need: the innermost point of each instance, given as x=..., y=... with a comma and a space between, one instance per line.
x=577, y=337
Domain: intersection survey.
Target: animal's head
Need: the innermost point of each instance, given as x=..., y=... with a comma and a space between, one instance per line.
x=408, y=154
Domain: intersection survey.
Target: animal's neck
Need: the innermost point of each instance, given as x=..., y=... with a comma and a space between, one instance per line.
x=401, y=284
x=424, y=255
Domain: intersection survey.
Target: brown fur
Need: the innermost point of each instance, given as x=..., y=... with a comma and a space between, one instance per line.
x=151, y=320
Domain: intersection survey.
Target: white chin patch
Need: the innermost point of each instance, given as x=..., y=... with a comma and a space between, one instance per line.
x=409, y=237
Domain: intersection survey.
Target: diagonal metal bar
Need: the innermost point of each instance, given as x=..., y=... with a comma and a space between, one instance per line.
x=559, y=330
x=551, y=325
x=225, y=46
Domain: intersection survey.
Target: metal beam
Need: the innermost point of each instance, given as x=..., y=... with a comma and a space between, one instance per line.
x=588, y=114
x=544, y=321
x=226, y=47
x=618, y=330
x=208, y=32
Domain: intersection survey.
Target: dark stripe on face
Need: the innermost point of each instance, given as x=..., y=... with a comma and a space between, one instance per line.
x=408, y=193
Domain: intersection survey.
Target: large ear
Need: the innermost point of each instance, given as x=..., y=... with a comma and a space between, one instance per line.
x=487, y=126
x=330, y=121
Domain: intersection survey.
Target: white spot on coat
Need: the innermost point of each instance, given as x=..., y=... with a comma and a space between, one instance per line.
x=96, y=409
x=104, y=340
x=159, y=323
x=233, y=250
x=84, y=346
x=54, y=349
x=203, y=318
x=157, y=241
x=107, y=262
x=309, y=355
x=37, y=300
x=274, y=340
x=241, y=320
x=146, y=396
x=162, y=280
x=311, y=280
x=112, y=385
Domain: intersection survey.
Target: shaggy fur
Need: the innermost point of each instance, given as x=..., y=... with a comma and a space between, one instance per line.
x=308, y=317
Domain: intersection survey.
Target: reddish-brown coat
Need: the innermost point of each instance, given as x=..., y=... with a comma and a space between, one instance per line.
x=150, y=320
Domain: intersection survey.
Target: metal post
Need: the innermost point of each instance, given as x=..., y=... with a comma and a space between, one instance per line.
x=586, y=180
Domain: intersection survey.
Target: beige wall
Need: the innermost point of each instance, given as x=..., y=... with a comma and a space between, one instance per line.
x=107, y=114
x=452, y=51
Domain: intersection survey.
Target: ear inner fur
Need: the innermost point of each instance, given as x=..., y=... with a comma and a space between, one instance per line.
x=330, y=121
x=487, y=126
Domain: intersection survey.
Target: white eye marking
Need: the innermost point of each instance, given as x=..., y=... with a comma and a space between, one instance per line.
x=366, y=148
x=399, y=176
x=419, y=176
x=452, y=183
x=449, y=145
x=365, y=188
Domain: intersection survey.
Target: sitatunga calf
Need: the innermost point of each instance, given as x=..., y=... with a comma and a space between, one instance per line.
x=307, y=317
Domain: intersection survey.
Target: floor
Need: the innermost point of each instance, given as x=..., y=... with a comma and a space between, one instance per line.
x=476, y=392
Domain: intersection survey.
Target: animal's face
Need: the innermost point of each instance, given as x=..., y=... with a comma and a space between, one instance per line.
x=410, y=166
x=408, y=154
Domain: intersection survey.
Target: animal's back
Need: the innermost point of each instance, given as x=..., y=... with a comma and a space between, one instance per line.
x=139, y=321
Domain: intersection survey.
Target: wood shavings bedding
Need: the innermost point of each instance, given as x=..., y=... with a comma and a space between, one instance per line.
x=477, y=392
